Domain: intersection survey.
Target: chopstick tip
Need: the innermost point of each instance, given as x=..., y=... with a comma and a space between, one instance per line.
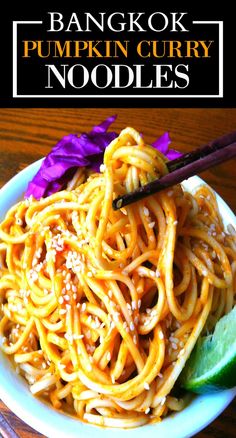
x=117, y=203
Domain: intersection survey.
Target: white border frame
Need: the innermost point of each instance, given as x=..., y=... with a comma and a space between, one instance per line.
x=160, y=96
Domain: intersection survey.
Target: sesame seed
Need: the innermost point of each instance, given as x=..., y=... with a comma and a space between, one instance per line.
x=172, y=339
x=163, y=401
x=68, y=286
x=34, y=262
x=151, y=238
x=74, y=296
x=139, y=303
x=146, y=386
x=148, y=311
x=33, y=275
x=131, y=326
x=175, y=223
x=160, y=375
x=145, y=211
x=38, y=267
x=68, y=306
x=68, y=276
x=83, y=307
x=161, y=336
x=60, y=300
x=66, y=298
x=74, y=288
x=151, y=224
x=174, y=346
x=88, y=334
x=108, y=356
x=147, y=411
x=102, y=168
x=182, y=352
x=133, y=305
x=204, y=273
x=135, y=339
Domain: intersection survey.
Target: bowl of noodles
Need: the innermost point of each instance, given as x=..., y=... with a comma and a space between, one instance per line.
x=100, y=310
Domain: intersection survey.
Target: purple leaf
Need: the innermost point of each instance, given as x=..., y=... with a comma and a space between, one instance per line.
x=70, y=153
x=162, y=144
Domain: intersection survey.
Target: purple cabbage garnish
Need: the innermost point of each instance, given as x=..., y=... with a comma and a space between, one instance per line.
x=87, y=150
x=162, y=144
x=70, y=153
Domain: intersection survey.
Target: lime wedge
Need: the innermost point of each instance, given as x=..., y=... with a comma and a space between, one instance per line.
x=212, y=363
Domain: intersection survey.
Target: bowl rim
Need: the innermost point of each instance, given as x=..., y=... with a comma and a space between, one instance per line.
x=15, y=393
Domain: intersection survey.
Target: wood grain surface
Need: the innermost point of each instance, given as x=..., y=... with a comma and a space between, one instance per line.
x=28, y=134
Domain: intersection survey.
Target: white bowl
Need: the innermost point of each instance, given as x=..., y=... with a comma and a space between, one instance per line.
x=15, y=393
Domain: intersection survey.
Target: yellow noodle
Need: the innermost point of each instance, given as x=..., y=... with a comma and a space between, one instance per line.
x=100, y=309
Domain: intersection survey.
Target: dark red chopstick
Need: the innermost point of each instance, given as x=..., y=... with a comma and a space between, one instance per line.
x=193, y=167
x=201, y=152
x=6, y=430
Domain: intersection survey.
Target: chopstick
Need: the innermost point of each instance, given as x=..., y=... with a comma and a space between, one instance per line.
x=6, y=430
x=202, y=151
x=192, y=163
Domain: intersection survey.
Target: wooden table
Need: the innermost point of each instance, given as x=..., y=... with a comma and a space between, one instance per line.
x=28, y=134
